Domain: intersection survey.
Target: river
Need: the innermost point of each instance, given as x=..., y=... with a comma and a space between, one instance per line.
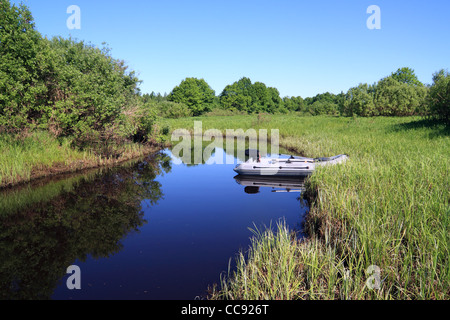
x=154, y=229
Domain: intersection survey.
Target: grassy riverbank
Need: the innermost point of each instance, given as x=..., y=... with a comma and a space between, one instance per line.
x=40, y=155
x=388, y=207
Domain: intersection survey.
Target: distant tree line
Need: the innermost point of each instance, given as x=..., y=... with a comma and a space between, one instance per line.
x=399, y=94
x=74, y=89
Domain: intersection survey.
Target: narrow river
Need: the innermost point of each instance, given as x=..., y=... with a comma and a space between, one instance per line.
x=154, y=229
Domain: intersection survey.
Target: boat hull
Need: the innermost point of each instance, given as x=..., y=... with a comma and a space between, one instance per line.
x=273, y=172
x=285, y=167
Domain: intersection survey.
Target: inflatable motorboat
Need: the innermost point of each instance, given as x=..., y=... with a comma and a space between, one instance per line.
x=289, y=167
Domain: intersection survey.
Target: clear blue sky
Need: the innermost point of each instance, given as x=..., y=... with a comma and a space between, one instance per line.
x=300, y=47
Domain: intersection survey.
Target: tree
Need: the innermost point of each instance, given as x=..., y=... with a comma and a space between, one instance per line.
x=88, y=89
x=325, y=103
x=395, y=98
x=400, y=94
x=195, y=93
x=359, y=101
x=439, y=96
x=406, y=76
x=275, y=102
x=236, y=96
x=21, y=90
x=69, y=88
x=261, y=98
x=293, y=103
x=323, y=108
x=252, y=98
x=169, y=109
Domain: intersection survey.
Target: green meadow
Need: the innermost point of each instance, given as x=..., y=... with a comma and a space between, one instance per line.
x=379, y=225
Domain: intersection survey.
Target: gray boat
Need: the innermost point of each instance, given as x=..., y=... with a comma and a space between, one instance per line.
x=289, y=167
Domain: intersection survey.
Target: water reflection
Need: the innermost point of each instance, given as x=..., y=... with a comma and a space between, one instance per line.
x=80, y=218
x=253, y=184
x=193, y=153
x=147, y=230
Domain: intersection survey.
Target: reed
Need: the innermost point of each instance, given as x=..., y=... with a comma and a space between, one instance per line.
x=387, y=207
x=39, y=154
x=37, y=151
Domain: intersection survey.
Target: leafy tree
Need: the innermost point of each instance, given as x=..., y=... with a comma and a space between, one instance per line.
x=323, y=108
x=169, y=109
x=293, y=103
x=146, y=98
x=21, y=90
x=195, y=93
x=261, y=98
x=89, y=90
x=275, y=103
x=252, y=98
x=324, y=103
x=237, y=96
x=407, y=76
x=340, y=102
x=359, y=101
x=439, y=96
x=70, y=88
x=394, y=98
x=400, y=94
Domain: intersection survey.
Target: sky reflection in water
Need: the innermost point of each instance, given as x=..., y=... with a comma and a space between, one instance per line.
x=192, y=222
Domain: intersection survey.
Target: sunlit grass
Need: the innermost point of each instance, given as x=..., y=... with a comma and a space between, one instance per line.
x=19, y=157
x=269, y=270
x=39, y=154
x=388, y=206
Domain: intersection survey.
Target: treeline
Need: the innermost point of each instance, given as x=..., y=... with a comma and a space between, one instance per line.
x=72, y=89
x=76, y=90
x=399, y=94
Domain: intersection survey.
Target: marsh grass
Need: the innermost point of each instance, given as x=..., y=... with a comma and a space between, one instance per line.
x=388, y=207
x=20, y=156
x=267, y=271
x=39, y=154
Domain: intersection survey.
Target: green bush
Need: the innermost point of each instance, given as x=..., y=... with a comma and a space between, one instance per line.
x=170, y=110
x=21, y=86
x=319, y=108
x=70, y=88
x=395, y=98
x=88, y=88
x=245, y=96
x=293, y=103
x=439, y=96
x=195, y=93
x=400, y=94
x=359, y=101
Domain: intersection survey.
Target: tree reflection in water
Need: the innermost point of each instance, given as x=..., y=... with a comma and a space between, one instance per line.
x=41, y=239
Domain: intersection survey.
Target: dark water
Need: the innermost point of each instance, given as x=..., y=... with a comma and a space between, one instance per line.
x=148, y=230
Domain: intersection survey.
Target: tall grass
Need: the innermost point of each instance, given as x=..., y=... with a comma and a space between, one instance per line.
x=279, y=267
x=269, y=270
x=387, y=207
x=39, y=155
x=19, y=157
